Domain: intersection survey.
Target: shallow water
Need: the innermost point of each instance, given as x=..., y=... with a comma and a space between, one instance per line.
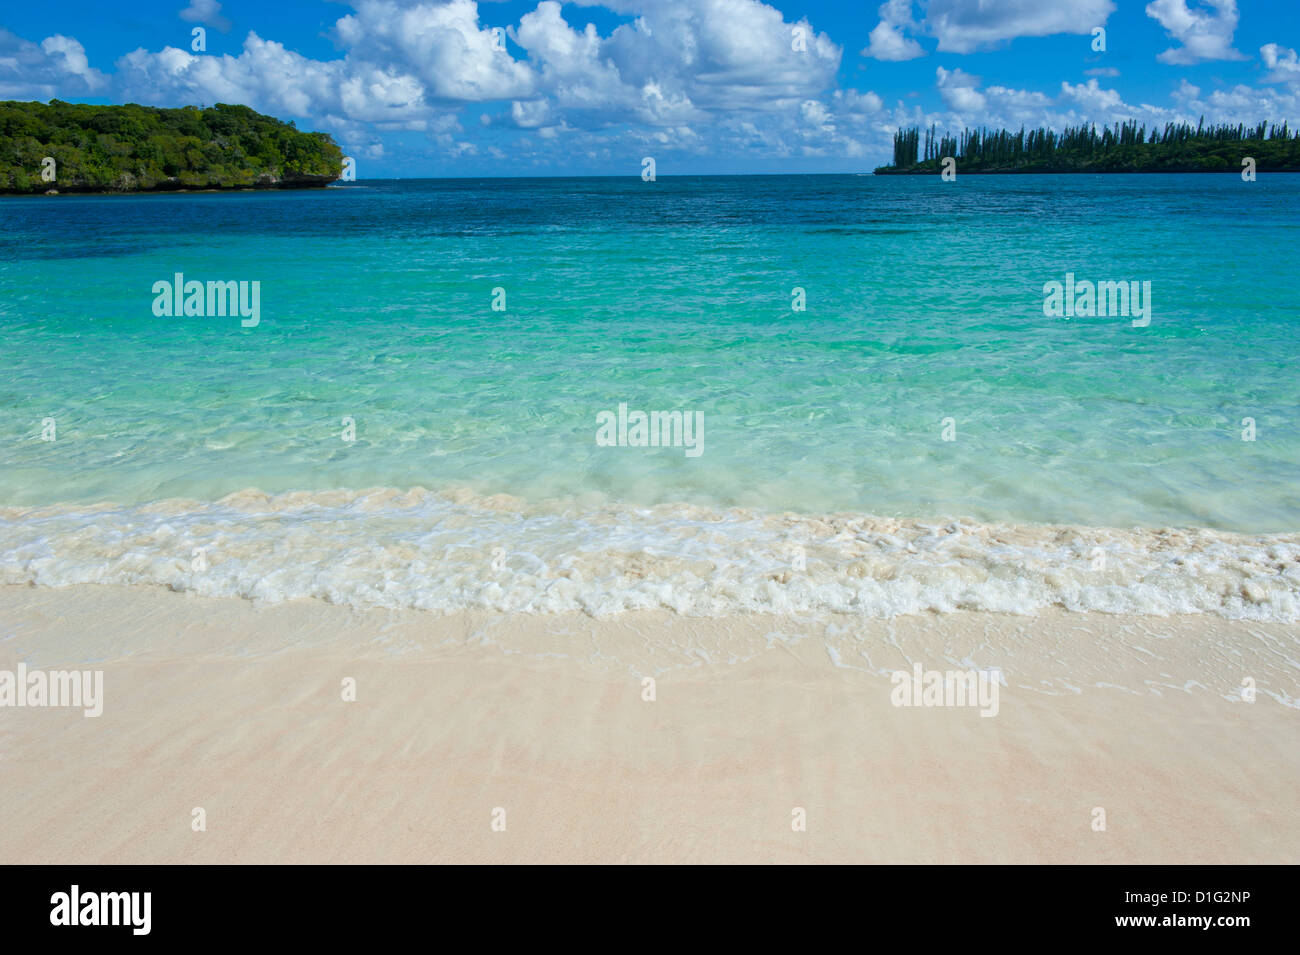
x=924, y=303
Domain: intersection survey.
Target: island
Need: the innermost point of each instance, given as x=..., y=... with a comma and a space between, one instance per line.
x=1127, y=147
x=58, y=147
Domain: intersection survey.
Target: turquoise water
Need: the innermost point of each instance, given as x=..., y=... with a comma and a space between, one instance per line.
x=924, y=303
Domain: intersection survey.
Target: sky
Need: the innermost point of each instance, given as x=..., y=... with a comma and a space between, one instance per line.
x=413, y=88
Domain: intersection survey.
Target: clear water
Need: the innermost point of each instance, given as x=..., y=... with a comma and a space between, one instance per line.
x=924, y=302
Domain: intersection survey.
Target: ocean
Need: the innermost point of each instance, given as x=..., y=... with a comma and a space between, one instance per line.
x=868, y=403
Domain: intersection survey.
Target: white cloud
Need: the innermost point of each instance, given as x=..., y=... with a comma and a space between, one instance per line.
x=886, y=41
x=268, y=77
x=723, y=54
x=1231, y=105
x=1282, y=63
x=678, y=62
x=1017, y=102
x=207, y=12
x=571, y=66
x=440, y=43
x=857, y=104
x=1092, y=98
x=56, y=67
x=1205, y=33
x=69, y=56
x=531, y=114
x=993, y=106
x=962, y=26
x=816, y=114
x=958, y=90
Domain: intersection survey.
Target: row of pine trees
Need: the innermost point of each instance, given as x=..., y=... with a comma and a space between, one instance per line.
x=1002, y=148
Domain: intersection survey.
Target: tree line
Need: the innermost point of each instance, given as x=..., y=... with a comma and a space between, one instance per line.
x=1125, y=147
x=134, y=148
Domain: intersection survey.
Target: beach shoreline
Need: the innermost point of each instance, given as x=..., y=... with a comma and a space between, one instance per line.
x=238, y=709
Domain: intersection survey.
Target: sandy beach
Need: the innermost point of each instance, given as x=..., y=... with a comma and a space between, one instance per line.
x=238, y=709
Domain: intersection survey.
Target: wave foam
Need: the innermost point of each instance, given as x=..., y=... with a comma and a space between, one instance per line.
x=455, y=551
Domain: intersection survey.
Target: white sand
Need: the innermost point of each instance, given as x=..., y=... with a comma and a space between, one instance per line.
x=237, y=709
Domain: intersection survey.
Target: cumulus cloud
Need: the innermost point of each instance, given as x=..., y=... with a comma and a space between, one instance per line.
x=271, y=78
x=530, y=115
x=441, y=44
x=207, y=12
x=969, y=105
x=678, y=62
x=57, y=66
x=958, y=90
x=1092, y=97
x=723, y=54
x=1282, y=63
x=576, y=72
x=816, y=114
x=1205, y=32
x=678, y=67
x=962, y=26
x=857, y=104
x=1017, y=103
x=886, y=41
x=1230, y=105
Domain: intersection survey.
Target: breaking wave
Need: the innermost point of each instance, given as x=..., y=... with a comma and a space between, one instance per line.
x=451, y=551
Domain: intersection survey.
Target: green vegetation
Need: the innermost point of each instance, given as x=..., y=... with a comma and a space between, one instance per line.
x=140, y=148
x=1125, y=148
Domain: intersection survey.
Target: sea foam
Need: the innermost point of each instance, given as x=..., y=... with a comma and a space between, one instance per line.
x=458, y=551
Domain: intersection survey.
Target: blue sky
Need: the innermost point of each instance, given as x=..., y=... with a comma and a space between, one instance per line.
x=536, y=87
